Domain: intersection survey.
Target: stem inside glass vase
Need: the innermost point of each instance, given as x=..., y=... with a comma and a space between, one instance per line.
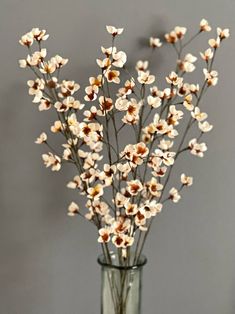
x=121, y=285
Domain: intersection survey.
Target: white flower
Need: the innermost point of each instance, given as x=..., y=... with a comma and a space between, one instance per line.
x=211, y=77
x=198, y=115
x=214, y=43
x=207, y=55
x=188, y=102
x=114, y=31
x=174, y=195
x=187, y=65
x=145, y=77
x=180, y=31
x=204, y=26
x=185, y=180
x=154, y=102
x=76, y=183
x=112, y=76
x=52, y=161
x=196, y=148
x=154, y=42
x=73, y=209
x=27, y=40
x=41, y=139
x=45, y=104
x=205, y=126
x=23, y=63
x=57, y=127
x=119, y=59
x=142, y=66
x=95, y=192
x=59, y=61
x=104, y=235
x=48, y=67
x=174, y=79
x=166, y=157
x=39, y=34
x=134, y=187
x=223, y=33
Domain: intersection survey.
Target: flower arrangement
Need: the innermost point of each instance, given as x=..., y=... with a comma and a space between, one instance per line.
x=125, y=185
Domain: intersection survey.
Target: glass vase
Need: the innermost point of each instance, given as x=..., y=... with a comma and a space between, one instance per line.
x=121, y=286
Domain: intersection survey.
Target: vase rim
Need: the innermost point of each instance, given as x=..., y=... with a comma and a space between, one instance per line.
x=141, y=262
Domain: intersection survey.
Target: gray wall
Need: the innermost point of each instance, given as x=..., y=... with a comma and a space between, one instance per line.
x=48, y=261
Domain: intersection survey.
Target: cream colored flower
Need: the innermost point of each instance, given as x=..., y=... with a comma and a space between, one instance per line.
x=154, y=187
x=166, y=157
x=95, y=192
x=145, y=77
x=90, y=114
x=186, y=180
x=106, y=105
x=27, y=40
x=112, y=76
x=45, y=104
x=141, y=65
x=174, y=115
x=207, y=55
x=131, y=209
x=188, y=102
x=119, y=59
x=57, y=127
x=114, y=31
x=91, y=93
x=140, y=219
x=154, y=42
x=134, y=187
x=171, y=37
x=174, y=79
x=205, y=126
x=59, y=61
x=214, y=43
x=180, y=31
x=127, y=89
x=211, y=77
x=187, y=64
x=39, y=34
x=73, y=209
x=42, y=138
x=196, y=148
x=198, y=115
x=174, y=195
x=154, y=102
x=104, y=235
x=52, y=161
x=48, y=67
x=121, y=200
x=23, y=63
x=75, y=184
x=150, y=209
x=223, y=33
x=204, y=26
x=68, y=88
x=165, y=144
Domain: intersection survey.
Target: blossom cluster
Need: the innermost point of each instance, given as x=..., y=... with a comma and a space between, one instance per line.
x=136, y=175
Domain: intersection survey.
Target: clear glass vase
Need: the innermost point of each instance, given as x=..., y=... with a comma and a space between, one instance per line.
x=121, y=286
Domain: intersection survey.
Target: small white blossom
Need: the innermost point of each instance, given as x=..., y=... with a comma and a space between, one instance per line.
x=42, y=138
x=186, y=180
x=73, y=209
x=204, y=26
x=174, y=195
x=154, y=42
x=114, y=31
x=205, y=126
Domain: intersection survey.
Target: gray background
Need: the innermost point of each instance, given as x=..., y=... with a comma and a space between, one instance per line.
x=48, y=261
